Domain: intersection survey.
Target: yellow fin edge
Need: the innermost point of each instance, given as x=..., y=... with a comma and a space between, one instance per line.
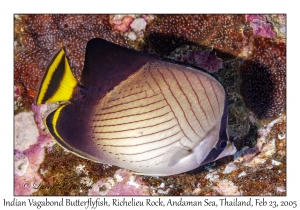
x=54, y=121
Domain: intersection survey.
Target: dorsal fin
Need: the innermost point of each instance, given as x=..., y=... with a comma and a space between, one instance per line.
x=58, y=82
x=107, y=64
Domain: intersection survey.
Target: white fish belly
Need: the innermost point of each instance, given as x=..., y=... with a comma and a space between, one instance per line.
x=160, y=107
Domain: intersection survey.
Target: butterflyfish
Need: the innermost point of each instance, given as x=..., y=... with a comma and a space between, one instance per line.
x=136, y=111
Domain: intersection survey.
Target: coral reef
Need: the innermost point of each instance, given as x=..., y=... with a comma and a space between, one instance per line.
x=278, y=22
x=18, y=92
x=220, y=32
x=30, y=144
x=263, y=76
x=138, y=24
x=260, y=26
x=197, y=56
x=238, y=119
x=121, y=22
x=132, y=27
x=122, y=183
x=246, y=53
x=26, y=132
x=268, y=26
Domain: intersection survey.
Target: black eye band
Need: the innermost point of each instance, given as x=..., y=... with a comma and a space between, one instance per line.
x=224, y=124
x=214, y=153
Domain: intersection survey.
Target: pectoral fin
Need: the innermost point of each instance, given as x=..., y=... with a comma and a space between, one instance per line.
x=175, y=154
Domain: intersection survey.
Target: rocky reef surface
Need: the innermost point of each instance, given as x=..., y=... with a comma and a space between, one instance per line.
x=246, y=53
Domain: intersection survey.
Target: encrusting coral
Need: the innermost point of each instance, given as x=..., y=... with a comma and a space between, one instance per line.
x=221, y=32
x=263, y=77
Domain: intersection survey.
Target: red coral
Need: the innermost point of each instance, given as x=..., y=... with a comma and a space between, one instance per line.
x=222, y=32
x=122, y=24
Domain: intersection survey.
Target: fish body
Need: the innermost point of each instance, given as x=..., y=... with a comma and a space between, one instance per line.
x=136, y=111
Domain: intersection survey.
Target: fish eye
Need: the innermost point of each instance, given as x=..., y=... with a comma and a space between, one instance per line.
x=222, y=144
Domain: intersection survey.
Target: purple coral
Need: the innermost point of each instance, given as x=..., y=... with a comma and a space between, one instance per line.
x=28, y=157
x=260, y=26
x=28, y=181
x=205, y=59
x=208, y=61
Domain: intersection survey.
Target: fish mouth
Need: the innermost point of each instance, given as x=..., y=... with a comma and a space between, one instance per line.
x=230, y=149
x=216, y=154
